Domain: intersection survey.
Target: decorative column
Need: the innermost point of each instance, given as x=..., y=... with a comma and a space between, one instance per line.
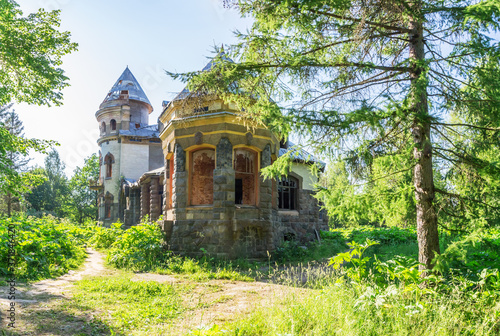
x=179, y=183
x=224, y=194
x=155, y=206
x=266, y=199
x=145, y=200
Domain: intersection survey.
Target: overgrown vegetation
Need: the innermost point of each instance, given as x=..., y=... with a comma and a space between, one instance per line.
x=45, y=247
x=141, y=248
x=373, y=295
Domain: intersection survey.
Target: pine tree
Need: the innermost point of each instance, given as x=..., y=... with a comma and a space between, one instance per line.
x=16, y=161
x=370, y=79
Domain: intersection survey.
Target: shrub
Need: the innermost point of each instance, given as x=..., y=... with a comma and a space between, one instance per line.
x=45, y=247
x=138, y=248
x=104, y=237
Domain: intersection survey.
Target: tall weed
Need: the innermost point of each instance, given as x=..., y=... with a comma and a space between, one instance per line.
x=44, y=247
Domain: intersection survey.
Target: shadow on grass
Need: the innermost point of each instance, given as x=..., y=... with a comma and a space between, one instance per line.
x=53, y=314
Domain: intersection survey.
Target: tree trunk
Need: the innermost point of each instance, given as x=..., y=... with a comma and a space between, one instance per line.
x=427, y=233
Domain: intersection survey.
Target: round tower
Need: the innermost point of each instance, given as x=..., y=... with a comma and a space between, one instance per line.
x=125, y=109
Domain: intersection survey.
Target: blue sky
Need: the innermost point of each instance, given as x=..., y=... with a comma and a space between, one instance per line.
x=149, y=36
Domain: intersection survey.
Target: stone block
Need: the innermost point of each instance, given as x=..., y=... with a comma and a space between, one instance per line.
x=219, y=195
x=220, y=179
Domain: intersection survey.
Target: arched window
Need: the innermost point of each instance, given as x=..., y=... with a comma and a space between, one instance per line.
x=103, y=127
x=112, y=123
x=108, y=161
x=202, y=177
x=108, y=203
x=287, y=193
x=245, y=167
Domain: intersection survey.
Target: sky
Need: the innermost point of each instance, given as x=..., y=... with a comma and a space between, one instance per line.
x=147, y=36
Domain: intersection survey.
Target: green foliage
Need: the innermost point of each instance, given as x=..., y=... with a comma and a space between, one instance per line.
x=370, y=85
x=387, y=198
x=293, y=251
x=31, y=53
x=354, y=256
x=470, y=253
x=83, y=200
x=52, y=196
x=381, y=297
x=386, y=236
x=14, y=148
x=104, y=237
x=137, y=248
x=45, y=247
x=142, y=248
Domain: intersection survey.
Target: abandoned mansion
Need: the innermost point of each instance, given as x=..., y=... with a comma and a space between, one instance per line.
x=199, y=173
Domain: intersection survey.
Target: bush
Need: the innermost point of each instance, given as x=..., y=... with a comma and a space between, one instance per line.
x=138, y=248
x=45, y=247
x=104, y=237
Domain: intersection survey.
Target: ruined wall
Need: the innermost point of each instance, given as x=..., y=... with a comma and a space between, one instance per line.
x=301, y=224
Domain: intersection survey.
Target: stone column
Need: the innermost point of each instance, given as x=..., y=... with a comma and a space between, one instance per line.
x=135, y=205
x=145, y=200
x=224, y=195
x=179, y=183
x=155, y=207
x=266, y=199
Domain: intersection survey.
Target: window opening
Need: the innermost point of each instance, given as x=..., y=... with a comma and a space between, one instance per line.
x=238, y=189
x=245, y=168
x=287, y=193
x=113, y=124
x=202, y=177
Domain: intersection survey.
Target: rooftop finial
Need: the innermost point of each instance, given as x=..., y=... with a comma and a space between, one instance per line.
x=222, y=48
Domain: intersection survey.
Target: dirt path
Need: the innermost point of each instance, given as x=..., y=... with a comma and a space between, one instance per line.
x=44, y=308
x=218, y=301
x=41, y=298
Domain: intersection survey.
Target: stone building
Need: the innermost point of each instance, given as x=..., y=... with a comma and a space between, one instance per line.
x=199, y=168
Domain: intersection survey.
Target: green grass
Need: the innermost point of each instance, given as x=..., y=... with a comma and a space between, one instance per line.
x=385, y=295
x=345, y=309
x=131, y=304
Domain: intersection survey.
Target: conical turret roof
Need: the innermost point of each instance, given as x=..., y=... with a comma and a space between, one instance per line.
x=126, y=82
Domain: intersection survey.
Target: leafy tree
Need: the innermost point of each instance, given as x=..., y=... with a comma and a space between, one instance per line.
x=31, y=51
x=369, y=79
x=53, y=194
x=83, y=203
x=387, y=201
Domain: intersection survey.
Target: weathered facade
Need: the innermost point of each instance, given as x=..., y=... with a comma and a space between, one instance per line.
x=208, y=187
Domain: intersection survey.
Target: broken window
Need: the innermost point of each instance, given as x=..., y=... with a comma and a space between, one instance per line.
x=202, y=177
x=108, y=161
x=245, y=167
x=107, y=210
x=287, y=193
x=112, y=123
x=108, y=202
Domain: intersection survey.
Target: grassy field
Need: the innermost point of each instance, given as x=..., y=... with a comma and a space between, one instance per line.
x=373, y=287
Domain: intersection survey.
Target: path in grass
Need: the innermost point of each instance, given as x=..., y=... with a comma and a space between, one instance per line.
x=47, y=308
x=40, y=307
